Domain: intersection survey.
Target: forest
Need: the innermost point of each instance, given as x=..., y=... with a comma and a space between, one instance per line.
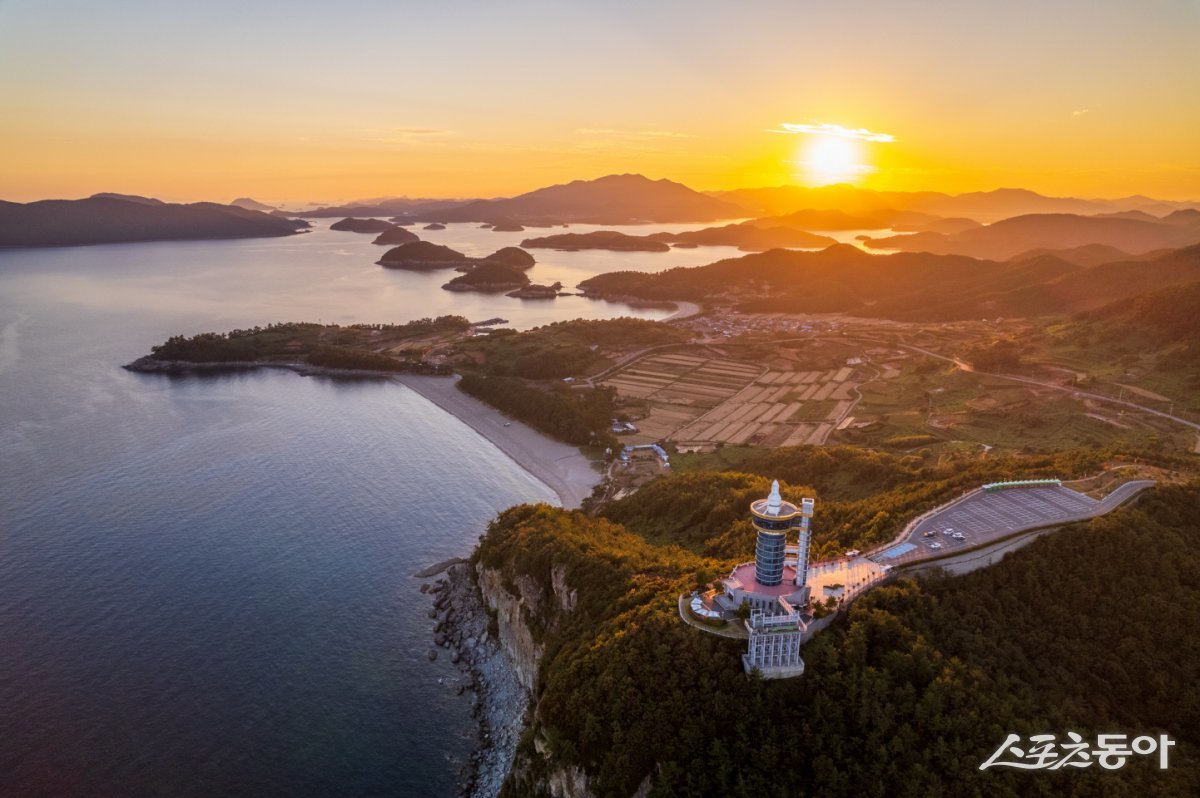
x=1089, y=629
x=292, y=341
x=522, y=373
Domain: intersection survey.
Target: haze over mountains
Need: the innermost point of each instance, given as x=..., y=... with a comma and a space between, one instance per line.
x=1018, y=221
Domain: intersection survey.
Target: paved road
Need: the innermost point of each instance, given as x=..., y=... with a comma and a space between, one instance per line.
x=1064, y=388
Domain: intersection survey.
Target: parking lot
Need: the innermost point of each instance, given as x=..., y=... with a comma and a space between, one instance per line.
x=986, y=516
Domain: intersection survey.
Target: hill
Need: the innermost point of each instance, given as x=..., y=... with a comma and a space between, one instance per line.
x=934, y=672
x=601, y=239
x=112, y=219
x=400, y=207
x=1164, y=316
x=615, y=199
x=353, y=225
x=876, y=219
x=1009, y=237
x=251, y=205
x=903, y=286
x=1087, y=255
x=749, y=237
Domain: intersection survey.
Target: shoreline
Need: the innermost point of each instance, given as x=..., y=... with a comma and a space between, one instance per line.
x=499, y=700
x=559, y=466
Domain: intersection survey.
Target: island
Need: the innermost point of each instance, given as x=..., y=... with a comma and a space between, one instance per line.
x=435, y=226
x=537, y=292
x=489, y=277
x=748, y=237
x=601, y=239
x=512, y=256
x=396, y=235
x=353, y=225
x=424, y=256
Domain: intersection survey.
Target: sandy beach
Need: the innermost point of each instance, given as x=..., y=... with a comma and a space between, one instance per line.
x=560, y=466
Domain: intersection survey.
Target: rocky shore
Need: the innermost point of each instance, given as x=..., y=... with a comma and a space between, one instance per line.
x=462, y=628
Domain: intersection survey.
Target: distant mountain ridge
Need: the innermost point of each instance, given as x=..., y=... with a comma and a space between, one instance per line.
x=614, y=199
x=1009, y=237
x=632, y=198
x=104, y=219
x=251, y=205
x=983, y=206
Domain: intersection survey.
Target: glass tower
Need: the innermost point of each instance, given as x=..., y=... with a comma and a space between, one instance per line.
x=772, y=517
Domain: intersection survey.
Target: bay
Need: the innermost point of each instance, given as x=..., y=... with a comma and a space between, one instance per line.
x=205, y=582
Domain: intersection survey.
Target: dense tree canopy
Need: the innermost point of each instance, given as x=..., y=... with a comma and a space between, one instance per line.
x=1090, y=630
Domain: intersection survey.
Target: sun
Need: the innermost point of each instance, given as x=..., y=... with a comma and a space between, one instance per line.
x=831, y=159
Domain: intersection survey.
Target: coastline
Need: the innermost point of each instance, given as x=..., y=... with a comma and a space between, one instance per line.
x=561, y=467
x=683, y=310
x=499, y=700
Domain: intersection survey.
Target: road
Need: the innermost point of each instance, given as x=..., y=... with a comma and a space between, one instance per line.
x=1065, y=389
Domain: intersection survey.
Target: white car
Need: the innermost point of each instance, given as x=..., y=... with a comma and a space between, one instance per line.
x=948, y=530
x=935, y=545
x=959, y=536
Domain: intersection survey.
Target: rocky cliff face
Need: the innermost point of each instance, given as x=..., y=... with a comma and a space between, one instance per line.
x=513, y=613
x=516, y=638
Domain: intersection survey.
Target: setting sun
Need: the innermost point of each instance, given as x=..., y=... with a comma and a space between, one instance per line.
x=830, y=159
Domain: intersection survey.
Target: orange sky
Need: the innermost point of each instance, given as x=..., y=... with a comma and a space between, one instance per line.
x=288, y=101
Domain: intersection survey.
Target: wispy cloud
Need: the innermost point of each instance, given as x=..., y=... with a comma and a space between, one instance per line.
x=634, y=134
x=1081, y=112
x=826, y=129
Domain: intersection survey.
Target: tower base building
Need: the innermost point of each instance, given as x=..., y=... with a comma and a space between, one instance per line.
x=774, y=587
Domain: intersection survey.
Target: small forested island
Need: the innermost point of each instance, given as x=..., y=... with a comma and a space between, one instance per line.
x=601, y=239
x=489, y=276
x=396, y=235
x=424, y=256
x=353, y=225
x=537, y=291
x=427, y=256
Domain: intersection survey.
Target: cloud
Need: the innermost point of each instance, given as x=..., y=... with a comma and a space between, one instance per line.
x=634, y=134
x=826, y=129
x=421, y=131
x=1081, y=112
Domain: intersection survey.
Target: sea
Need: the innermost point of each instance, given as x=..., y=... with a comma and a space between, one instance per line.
x=206, y=582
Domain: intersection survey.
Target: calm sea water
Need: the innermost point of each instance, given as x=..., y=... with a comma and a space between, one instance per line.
x=205, y=582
